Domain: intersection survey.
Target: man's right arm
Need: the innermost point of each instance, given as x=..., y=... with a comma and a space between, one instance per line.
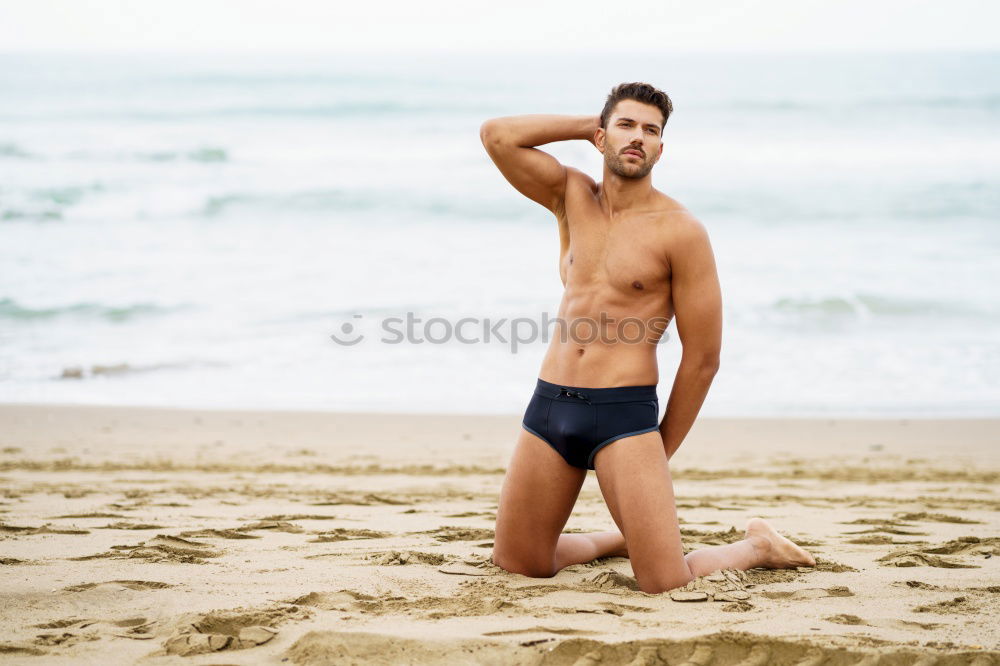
x=511, y=141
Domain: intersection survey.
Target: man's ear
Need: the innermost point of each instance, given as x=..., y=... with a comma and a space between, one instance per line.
x=599, y=137
x=659, y=153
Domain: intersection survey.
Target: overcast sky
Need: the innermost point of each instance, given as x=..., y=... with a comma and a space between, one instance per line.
x=499, y=26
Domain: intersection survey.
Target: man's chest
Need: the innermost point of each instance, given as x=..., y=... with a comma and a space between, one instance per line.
x=628, y=255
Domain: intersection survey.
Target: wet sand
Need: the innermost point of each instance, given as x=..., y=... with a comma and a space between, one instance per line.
x=174, y=536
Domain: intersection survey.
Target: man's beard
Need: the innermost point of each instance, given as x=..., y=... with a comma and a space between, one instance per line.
x=619, y=167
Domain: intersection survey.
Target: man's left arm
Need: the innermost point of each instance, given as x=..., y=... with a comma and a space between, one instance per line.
x=697, y=302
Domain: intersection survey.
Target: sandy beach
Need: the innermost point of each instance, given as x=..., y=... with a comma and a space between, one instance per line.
x=135, y=535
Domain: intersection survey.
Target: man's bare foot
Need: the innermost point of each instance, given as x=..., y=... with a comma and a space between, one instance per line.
x=775, y=551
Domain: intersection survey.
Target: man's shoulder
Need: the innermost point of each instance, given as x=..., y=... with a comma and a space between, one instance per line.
x=675, y=216
x=682, y=231
x=576, y=177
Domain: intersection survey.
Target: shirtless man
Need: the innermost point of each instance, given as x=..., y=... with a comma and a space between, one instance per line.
x=631, y=258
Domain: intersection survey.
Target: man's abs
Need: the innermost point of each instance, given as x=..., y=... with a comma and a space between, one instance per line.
x=599, y=366
x=604, y=346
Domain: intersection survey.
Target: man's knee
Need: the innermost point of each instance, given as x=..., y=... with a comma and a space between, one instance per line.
x=524, y=566
x=657, y=583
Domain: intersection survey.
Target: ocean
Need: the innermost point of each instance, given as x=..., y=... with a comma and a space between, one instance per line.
x=191, y=231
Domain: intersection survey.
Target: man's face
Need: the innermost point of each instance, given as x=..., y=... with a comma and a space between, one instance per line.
x=632, y=141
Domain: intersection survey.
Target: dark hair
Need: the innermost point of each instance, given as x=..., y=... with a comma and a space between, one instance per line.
x=640, y=92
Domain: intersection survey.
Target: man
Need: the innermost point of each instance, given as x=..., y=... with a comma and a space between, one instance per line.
x=631, y=258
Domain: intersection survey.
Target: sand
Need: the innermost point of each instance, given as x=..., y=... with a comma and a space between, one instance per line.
x=133, y=535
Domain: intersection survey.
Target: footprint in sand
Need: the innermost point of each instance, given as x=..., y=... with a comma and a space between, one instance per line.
x=237, y=629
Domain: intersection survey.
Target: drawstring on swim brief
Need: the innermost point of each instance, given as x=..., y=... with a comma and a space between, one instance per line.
x=573, y=394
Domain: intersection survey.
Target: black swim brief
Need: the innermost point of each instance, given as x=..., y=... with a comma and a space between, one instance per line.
x=579, y=422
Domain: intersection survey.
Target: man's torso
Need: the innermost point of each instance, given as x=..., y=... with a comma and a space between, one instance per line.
x=617, y=299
